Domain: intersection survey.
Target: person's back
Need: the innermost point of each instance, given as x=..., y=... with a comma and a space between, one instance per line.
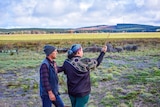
x=78, y=79
x=77, y=70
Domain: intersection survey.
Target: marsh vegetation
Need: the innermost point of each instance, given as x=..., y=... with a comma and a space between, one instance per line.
x=124, y=79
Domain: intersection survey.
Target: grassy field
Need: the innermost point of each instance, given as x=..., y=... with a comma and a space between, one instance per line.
x=65, y=40
x=30, y=37
x=125, y=79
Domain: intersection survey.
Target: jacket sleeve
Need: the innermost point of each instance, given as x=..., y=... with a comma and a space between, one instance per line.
x=61, y=68
x=100, y=58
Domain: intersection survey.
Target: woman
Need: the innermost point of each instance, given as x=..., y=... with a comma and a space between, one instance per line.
x=77, y=70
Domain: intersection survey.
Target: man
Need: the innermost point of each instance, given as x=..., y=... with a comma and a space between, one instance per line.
x=49, y=80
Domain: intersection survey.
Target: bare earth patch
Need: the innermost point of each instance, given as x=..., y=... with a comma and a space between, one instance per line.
x=123, y=80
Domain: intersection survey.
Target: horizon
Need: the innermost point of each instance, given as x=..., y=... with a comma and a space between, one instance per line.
x=78, y=27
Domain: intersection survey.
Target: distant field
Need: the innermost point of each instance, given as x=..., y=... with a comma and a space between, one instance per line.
x=30, y=37
x=65, y=40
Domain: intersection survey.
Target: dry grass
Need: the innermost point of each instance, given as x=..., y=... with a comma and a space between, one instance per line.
x=22, y=37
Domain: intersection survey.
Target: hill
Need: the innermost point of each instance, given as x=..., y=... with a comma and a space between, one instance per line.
x=121, y=28
x=89, y=29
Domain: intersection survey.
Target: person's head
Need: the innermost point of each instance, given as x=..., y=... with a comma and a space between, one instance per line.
x=50, y=51
x=75, y=50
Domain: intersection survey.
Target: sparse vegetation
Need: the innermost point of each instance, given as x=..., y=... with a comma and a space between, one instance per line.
x=125, y=79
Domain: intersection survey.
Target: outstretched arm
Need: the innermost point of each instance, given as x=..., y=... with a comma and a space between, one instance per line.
x=100, y=57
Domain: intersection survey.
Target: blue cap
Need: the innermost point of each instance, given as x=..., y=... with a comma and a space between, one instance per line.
x=74, y=49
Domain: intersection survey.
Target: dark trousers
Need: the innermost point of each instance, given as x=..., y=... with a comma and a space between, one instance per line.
x=46, y=102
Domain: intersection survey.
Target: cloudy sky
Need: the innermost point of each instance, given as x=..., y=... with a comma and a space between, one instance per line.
x=77, y=13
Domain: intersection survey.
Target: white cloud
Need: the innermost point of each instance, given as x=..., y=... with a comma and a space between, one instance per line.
x=86, y=4
x=153, y=5
x=140, y=3
x=50, y=8
x=77, y=13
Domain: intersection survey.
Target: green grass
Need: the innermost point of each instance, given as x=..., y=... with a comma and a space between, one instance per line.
x=27, y=59
x=22, y=60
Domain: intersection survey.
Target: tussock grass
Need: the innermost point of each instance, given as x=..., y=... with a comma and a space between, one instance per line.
x=119, y=80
